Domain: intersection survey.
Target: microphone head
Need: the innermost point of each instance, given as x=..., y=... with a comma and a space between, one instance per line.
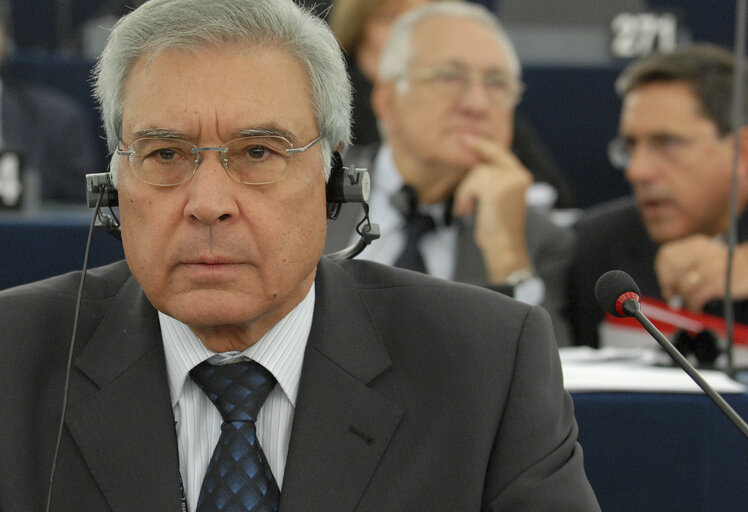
x=613, y=289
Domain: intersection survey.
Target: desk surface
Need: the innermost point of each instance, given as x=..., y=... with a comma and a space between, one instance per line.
x=663, y=452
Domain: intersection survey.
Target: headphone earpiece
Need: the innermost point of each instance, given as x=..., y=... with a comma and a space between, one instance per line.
x=334, y=187
x=102, y=192
x=345, y=185
x=98, y=183
x=350, y=185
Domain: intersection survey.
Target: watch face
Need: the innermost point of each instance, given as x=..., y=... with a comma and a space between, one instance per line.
x=519, y=276
x=530, y=291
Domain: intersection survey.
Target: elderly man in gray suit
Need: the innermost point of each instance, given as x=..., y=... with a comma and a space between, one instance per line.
x=447, y=192
x=228, y=365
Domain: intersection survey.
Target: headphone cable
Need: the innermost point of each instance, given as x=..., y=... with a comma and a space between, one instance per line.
x=69, y=364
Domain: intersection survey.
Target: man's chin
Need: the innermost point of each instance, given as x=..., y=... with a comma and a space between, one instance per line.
x=460, y=155
x=211, y=307
x=663, y=232
x=467, y=161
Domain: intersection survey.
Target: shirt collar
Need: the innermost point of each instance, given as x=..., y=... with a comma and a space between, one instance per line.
x=280, y=350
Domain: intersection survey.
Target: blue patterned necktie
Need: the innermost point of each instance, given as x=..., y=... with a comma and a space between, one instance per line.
x=238, y=478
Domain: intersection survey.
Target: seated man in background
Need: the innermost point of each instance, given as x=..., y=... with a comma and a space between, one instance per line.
x=448, y=194
x=362, y=28
x=677, y=147
x=51, y=132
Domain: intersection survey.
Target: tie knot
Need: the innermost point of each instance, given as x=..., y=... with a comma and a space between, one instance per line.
x=418, y=224
x=237, y=390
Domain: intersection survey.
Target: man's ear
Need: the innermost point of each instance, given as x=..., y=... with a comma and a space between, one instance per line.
x=742, y=139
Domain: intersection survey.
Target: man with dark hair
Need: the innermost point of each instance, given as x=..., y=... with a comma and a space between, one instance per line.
x=677, y=147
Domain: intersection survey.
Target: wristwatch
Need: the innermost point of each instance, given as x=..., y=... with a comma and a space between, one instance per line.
x=519, y=276
x=526, y=286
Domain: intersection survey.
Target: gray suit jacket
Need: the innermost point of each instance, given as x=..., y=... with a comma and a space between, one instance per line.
x=416, y=394
x=550, y=246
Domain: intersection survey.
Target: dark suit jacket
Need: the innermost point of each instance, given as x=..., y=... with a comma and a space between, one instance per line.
x=54, y=136
x=612, y=236
x=416, y=394
x=551, y=248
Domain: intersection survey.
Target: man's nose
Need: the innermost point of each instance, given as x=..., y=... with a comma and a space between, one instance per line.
x=211, y=191
x=642, y=164
x=475, y=95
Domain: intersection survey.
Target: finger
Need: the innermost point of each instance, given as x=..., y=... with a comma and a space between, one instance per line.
x=673, y=261
x=669, y=270
x=696, y=296
x=491, y=152
x=484, y=185
x=467, y=192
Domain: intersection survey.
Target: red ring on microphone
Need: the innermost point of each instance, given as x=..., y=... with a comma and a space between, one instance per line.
x=622, y=300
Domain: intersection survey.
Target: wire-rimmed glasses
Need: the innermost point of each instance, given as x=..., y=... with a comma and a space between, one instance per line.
x=452, y=82
x=252, y=160
x=666, y=147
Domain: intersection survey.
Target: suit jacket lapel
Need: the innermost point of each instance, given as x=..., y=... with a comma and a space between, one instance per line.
x=341, y=427
x=124, y=425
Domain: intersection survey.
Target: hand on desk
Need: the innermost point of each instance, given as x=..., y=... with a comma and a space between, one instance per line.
x=694, y=269
x=494, y=191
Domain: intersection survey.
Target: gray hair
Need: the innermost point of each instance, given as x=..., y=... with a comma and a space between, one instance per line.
x=158, y=25
x=398, y=51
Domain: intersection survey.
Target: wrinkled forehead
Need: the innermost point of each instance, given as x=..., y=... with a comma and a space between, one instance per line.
x=163, y=65
x=197, y=51
x=231, y=88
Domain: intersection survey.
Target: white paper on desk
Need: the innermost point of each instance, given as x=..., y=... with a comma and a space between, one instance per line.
x=588, y=369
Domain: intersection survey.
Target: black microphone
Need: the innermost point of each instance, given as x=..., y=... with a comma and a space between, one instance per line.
x=618, y=294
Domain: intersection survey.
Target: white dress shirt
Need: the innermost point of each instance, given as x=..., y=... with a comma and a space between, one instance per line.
x=438, y=247
x=198, y=422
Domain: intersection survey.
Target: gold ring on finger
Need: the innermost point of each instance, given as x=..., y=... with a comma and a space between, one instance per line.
x=693, y=277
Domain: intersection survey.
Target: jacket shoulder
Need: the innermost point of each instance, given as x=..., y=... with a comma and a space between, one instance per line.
x=393, y=291
x=100, y=283
x=608, y=216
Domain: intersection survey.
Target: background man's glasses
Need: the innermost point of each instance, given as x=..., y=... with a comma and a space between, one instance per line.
x=665, y=147
x=453, y=82
x=255, y=160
